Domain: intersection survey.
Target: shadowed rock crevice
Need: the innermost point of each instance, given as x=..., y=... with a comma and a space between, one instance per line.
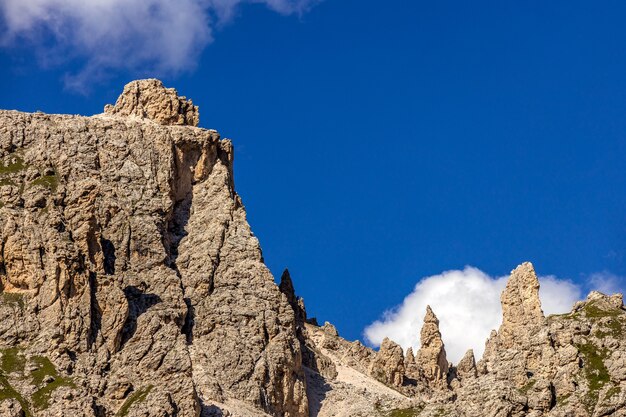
x=210, y=411
x=95, y=315
x=108, y=251
x=138, y=303
x=98, y=410
x=185, y=163
x=188, y=324
x=3, y=268
x=176, y=229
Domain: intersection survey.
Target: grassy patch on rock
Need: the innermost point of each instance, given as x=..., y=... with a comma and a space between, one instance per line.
x=595, y=372
x=8, y=392
x=563, y=400
x=613, y=391
x=13, y=299
x=528, y=386
x=593, y=311
x=404, y=412
x=12, y=361
x=614, y=328
x=15, y=164
x=47, y=181
x=46, y=370
x=136, y=397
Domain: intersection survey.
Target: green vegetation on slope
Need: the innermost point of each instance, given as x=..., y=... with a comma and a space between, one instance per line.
x=136, y=397
x=593, y=311
x=595, y=371
x=45, y=368
x=13, y=299
x=12, y=361
x=527, y=387
x=405, y=412
x=47, y=181
x=15, y=164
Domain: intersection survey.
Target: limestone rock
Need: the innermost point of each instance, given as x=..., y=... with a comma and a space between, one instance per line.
x=412, y=370
x=467, y=366
x=431, y=357
x=10, y=407
x=521, y=307
x=128, y=266
x=388, y=364
x=296, y=303
x=151, y=100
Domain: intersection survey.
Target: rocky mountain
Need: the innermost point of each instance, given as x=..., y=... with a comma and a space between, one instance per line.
x=132, y=285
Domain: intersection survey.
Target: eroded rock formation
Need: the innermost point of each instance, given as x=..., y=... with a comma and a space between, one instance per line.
x=388, y=364
x=127, y=262
x=151, y=100
x=431, y=357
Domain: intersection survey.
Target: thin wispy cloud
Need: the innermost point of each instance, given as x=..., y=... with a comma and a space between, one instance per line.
x=467, y=303
x=162, y=37
x=606, y=282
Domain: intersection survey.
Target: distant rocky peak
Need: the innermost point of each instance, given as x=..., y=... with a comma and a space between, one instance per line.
x=297, y=303
x=150, y=99
x=467, y=366
x=286, y=287
x=430, y=334
x=520, y=299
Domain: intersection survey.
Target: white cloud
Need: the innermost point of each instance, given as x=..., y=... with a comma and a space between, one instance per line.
x=158, y=36
x=467, y=304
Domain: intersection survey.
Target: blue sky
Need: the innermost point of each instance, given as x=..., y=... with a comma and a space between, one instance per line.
x=378, y=143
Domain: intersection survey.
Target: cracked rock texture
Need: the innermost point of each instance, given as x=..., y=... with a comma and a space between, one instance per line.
x=126, y=261
x=132, y=285
x=431, y=357
x=151, y=100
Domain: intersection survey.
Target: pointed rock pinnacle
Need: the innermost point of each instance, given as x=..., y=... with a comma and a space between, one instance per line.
x=432, y=355
x=296, y=303
x=467, y=366
x=521, y=307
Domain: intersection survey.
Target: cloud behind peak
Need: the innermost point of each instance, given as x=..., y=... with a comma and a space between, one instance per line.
x=467, y=303
x=163, y=37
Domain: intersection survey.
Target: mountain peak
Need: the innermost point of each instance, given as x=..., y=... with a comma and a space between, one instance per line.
x=521, y=305
x=150, y=99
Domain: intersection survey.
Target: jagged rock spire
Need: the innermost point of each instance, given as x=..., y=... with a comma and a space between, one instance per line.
x=286, y=287
x=521, y=307
x=409, y=356
x=431, y=357
x=151, y=100
x=410, y=366
x=296, y=303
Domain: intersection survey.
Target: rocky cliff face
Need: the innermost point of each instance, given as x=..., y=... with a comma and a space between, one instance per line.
x=131, y=282
x=132, y=285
